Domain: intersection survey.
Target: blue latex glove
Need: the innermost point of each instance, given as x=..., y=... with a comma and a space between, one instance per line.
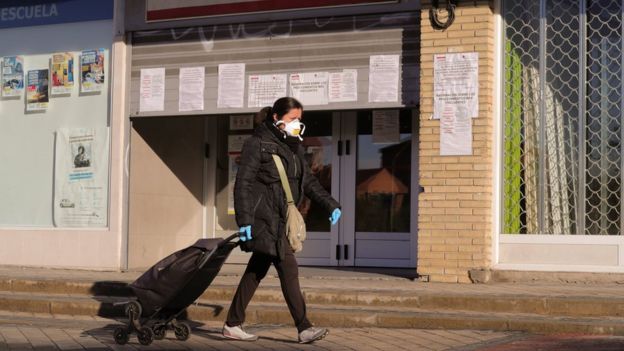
x=335, y=216
x=244, y=233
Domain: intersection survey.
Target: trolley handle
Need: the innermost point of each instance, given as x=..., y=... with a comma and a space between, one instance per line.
x=228, y=239
x=216, y=248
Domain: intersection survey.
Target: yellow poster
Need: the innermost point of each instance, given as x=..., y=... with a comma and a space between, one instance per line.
x=62, y=73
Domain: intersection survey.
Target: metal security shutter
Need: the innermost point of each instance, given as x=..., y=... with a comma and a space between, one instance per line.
x=322, y=44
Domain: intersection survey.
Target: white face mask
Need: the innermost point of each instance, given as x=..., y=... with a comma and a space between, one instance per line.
x=294, y=128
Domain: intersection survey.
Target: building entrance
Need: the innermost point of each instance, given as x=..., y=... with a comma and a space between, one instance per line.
x=372, y=178
x=183, y=171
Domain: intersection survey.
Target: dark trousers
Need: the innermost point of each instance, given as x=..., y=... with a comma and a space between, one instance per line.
x=257, y=268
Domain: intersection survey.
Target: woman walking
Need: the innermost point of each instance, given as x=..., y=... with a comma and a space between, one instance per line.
x=261, y=207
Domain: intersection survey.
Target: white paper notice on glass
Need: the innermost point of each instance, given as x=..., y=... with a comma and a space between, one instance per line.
x=383, y=78
x=264, y=89
x=81, y=177
x=455, y=133
x=242, y=122
x=343, y=86
x=152, y=91
x=456, y=83
x=233, y=164
x=310, y=88
x=231, y=88
x=386, y=127
x=191, y=92
x=235, y=143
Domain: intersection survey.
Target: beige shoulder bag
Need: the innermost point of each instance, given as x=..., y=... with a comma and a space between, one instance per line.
x=295, y=225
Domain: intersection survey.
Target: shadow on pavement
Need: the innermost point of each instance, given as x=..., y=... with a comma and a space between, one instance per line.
x=363, y=272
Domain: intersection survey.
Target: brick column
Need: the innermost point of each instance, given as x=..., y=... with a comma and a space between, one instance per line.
x=455, y=216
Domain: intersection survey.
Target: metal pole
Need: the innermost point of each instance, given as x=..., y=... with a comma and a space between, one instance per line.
x=622, y=123
x=542, y=119
x=503, y=120
x=580, y=216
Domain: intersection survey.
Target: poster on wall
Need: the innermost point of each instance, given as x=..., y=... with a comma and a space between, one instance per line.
x=383, y=78
x=12, y=76
x=264, y=89
x=343, y=86
x=37, y=94
x=309, y=88
x=92, y=75
x=456, y=83
x=62, y=73
x=455, y=132
x=231, y=85
x=152, y=90
x=81, y=177
x=191, y=89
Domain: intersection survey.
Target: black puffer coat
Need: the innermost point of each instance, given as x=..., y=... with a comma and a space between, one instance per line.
x=259, y=199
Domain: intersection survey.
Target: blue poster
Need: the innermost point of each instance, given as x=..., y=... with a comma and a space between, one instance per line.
x=14, y=13
x=12, y=76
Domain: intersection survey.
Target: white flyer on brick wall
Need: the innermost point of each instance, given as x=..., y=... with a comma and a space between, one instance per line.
x=81, y=177
x=455, y=133
x=264, y=89
x=310, y=88
x=152, y=90
x=456, y=83
x=191, y=89
x=231, y=89
x=343, y=86
x=383, y=78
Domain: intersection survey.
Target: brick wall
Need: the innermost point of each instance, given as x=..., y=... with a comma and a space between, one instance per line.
x=455, y=216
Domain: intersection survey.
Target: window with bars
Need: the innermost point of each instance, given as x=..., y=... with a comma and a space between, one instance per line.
x=563, y=111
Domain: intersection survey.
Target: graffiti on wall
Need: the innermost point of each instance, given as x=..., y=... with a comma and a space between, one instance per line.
x=207, y=35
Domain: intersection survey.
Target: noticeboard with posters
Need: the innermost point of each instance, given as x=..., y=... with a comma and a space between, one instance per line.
x=30, y=120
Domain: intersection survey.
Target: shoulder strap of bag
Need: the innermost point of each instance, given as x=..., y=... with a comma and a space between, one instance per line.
x=283, y=178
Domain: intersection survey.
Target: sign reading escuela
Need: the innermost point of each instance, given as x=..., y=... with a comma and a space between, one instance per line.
x=24, y=13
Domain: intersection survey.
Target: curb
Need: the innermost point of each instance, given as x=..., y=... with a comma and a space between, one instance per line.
x=330, y=316
x=574, y=306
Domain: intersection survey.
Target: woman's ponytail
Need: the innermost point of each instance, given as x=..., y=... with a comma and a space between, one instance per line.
x=266, y=114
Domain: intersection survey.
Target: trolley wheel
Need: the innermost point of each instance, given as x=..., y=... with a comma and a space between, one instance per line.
x=145, y=335
x=160, y=331
x=182, y=331
x=121, y=335
x=134, y=310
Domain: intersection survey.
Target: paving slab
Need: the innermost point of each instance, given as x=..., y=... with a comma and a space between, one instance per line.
x=66, y=333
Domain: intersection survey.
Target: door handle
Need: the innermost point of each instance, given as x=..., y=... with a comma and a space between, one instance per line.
x=338, y=252
x=339, y=147
x=346, y=252
x=348, y=147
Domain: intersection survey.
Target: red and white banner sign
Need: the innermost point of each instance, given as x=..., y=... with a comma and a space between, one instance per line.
x=167, y=10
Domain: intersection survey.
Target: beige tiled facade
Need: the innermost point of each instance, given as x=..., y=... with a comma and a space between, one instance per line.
x=455, y=211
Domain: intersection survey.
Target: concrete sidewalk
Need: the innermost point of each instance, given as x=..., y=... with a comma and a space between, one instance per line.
x=343, y=298
x=18, y=332
x=379, y=279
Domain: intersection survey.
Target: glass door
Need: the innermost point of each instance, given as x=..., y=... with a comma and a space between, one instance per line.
x=319, y=144
x=372, y=178
x=381, y=183
x=372, y=174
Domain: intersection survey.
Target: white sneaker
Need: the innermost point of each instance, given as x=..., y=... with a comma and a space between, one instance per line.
x=237, y=333
x=312, y=334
